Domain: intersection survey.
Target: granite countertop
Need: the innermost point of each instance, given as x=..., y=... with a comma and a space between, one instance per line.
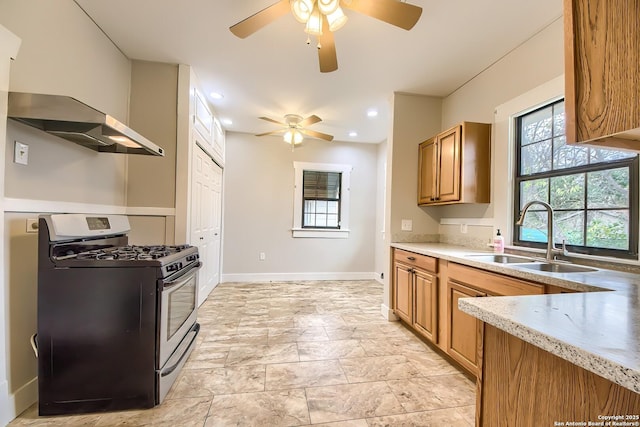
x=597, y=329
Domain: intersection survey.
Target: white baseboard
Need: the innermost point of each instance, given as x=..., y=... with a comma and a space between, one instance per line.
x=13, y=405
x=288, y=277
x=5, y=415
x=387, y=313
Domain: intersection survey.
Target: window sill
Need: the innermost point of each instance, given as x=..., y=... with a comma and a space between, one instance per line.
x=320, y=233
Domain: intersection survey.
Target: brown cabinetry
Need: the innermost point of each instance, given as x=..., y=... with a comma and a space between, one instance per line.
x=403, y=292
x=465, y=331
x=602, y=72
x=455, y=166
x=524, y=385
x=425, y=318
x=425, y=294
x=415, y=292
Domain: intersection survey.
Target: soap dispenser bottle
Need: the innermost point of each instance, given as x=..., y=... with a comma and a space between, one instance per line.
x=498, y=243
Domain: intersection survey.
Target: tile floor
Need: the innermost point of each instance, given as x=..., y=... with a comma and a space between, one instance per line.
x=295, y=354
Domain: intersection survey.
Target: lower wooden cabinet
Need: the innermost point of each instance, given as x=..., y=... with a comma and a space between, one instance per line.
x=425, y=291
x=415, y=292
x=524, y=385
x=425, y=294
x=465, y=331
x=403, y=292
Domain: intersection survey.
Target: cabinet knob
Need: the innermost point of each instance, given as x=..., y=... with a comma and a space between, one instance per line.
x=411, y=258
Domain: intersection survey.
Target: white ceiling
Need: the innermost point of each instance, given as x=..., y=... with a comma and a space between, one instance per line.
x=274, y=72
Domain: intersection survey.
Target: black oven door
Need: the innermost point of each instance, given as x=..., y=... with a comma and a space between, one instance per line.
x=178, y=299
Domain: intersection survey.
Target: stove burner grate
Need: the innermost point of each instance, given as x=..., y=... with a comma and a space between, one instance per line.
x=132, y=252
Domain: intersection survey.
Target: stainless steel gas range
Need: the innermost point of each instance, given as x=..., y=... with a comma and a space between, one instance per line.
x=116, y=322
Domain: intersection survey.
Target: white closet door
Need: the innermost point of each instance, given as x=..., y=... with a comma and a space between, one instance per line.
x=206, y=201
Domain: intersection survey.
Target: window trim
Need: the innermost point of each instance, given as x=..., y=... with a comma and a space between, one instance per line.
x=345, y=185
x=634, y=184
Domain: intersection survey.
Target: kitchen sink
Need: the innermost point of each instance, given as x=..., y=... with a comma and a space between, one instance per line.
x=502, y=259
x=558, y=268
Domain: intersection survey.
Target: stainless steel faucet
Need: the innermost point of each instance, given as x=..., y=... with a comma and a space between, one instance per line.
x=551, y=247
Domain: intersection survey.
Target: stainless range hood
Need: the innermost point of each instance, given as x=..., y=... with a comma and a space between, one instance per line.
x=75, y=121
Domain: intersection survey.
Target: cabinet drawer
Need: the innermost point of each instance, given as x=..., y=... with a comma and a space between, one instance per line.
x=424, y=262
x=494, y=284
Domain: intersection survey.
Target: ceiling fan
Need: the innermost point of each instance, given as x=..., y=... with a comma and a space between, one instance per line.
x=295, y=127
x=323, y=17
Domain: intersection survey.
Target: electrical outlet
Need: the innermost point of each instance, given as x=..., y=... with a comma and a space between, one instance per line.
x=21, y=153
x=463, y=228
x=263, y=256
x=407, y=225
x=32, y=225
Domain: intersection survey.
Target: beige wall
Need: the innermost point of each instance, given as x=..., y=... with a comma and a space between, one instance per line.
x=533, y=63
x=9, y=47
x=62, y=52
x=154, y=97
x=415, y=119
x=258, y=210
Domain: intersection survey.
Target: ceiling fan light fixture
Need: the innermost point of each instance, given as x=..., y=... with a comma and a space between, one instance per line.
x=314, y=24
x=327, y=7
x=293, y=136
x=301, y=10
x=336, y=19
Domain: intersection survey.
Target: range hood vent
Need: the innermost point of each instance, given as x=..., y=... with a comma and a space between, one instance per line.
x=75, y=121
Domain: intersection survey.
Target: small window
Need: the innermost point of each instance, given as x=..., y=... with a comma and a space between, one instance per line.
x=321, y=200
x=593, y=191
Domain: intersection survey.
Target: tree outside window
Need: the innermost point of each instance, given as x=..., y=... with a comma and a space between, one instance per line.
x=593, y=191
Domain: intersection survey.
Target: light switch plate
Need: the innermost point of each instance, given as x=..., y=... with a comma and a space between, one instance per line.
x=21, y=153
x=407, y=225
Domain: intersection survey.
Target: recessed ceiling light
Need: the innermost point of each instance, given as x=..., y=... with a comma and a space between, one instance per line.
x=353, y=134
x=227, y=122
x=216, y=95
x=372, y=113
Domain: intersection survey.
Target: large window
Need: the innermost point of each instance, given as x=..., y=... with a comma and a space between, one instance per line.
x=321, y=200
x=593, y=191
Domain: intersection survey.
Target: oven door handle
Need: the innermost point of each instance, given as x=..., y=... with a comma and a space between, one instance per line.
x=183, y=349
x=177, y=280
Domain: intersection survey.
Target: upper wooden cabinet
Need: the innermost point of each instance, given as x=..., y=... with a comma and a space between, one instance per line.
x=602, y=72
x=455, y=166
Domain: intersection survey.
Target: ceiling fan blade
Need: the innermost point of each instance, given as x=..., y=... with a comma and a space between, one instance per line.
x=327, y=50
x=393, y=12
x=313, y=119
x=319, y=135
x=273, y=132
x=250, y=25
x=273, y=121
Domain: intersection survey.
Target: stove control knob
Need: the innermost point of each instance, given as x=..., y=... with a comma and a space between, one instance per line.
x=173, y=267
x=192, y=257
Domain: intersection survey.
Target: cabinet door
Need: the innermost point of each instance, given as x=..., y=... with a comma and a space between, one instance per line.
x=402, y=295
x=427, y=153
x=465, y=331
x=426, y=304
x=202, y=117
x=602, y=71
x=448, y=180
